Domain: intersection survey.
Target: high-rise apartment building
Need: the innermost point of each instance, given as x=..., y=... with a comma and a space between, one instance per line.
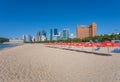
x=55, y=31
x=64, y=34
x=27, y=38
x=85, y=31
x=51, y=34
x=40, y=34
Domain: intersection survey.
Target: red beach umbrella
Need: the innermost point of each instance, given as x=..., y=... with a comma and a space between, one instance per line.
x=90, y=44
x=69, y=44
x=75, y=44
x=61, y=44
x=58, y=44
x=119, y=45
x=64, y=44
x=108, y=44
x=72, y=44
x=81, y=44
x=98, y=44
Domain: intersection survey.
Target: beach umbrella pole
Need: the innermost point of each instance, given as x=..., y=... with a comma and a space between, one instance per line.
x=92, y=50
x=108, y=50
x=82, y=47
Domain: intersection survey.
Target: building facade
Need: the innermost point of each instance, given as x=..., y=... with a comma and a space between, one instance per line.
x=55, y=31
x=51, y=34
x=40, y=35
x=85, y=31
x=64, y=35
x=27, y=38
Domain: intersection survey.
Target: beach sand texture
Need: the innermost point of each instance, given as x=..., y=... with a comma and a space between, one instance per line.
x=37, y=63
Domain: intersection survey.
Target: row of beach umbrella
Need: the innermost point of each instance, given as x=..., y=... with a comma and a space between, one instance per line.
x=107, y=44
x=85, y=44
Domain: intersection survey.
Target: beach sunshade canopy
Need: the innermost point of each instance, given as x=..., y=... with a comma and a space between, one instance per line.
x=98, y=44
x=90, y=44
x=117, y=45
x=75, y=44
x=81, y=44
x=108, y=44
x=68, y=44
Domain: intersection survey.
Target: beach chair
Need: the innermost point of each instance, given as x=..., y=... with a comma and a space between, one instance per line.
x=98, y=48
x=116, y=50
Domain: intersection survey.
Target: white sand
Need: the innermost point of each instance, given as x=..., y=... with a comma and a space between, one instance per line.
x=37, y=63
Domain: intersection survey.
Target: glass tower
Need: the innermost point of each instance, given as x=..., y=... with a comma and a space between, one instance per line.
x=65, y=34
x=55, y=31
x=51, y=33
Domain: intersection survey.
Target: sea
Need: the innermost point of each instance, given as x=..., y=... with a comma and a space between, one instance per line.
x=3, y=46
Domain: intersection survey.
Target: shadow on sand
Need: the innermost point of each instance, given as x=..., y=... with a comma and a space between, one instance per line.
x=83, y=51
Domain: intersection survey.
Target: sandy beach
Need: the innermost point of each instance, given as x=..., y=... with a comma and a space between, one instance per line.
x=38, y=63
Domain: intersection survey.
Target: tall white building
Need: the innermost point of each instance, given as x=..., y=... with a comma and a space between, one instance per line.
x=65, y=34
x=27, y=38
x=41, y=36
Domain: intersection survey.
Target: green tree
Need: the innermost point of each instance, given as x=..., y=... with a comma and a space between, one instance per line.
x=3, y=40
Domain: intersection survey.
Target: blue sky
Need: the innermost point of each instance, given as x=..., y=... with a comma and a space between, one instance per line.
x=18, y=17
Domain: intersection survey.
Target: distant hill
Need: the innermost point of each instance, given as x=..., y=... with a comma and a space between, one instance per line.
x=2, y=40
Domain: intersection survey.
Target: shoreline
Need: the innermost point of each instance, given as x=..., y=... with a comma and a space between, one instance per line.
x=10, y=45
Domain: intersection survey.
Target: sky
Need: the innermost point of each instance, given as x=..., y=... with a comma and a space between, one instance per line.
x=18, y=17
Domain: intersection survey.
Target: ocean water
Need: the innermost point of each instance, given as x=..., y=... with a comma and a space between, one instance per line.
x=3, y=46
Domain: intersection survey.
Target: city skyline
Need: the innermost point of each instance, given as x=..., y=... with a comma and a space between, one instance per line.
x=27, y=17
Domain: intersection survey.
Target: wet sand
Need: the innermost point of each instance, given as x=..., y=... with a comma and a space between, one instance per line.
x=37, y=63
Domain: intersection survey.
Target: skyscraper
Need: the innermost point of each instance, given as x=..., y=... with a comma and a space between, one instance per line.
x=55, y=36
x=64, y=34
x=43, y=33
x=51, y=34
x=40, y=34
x=55, y=31
x=27, y=38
